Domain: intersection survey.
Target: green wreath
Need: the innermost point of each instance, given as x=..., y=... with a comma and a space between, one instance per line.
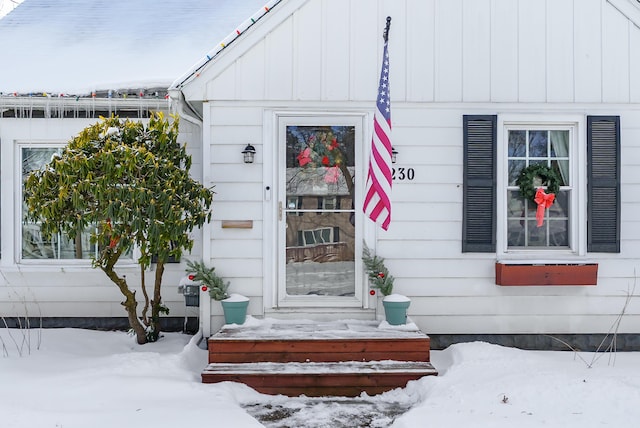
x=548, y=176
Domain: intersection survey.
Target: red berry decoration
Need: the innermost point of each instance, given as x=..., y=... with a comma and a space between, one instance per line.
x=204, y=288
x=372, y=292
x=381, y=275
x=191, y=277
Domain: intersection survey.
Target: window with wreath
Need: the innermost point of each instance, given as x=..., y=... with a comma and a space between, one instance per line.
x=549, y=154
x=539, y=186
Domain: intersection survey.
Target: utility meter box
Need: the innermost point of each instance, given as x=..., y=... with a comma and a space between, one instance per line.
x=190, y=290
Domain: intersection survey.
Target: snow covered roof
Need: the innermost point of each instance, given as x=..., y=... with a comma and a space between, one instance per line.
x=80, y=46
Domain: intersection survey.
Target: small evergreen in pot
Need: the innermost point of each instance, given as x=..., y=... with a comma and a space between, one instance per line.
x=233, y=305
x=395, y=305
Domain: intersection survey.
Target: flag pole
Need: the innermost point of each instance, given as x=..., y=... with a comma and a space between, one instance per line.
x=377, y=195
x=385, y=35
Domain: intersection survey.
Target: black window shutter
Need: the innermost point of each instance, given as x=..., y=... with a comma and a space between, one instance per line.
x=479, y=184
x=603, y=184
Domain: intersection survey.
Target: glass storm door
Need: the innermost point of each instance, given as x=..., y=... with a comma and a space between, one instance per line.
x=317, y=216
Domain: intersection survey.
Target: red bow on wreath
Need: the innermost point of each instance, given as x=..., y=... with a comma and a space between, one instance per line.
x=544, y=201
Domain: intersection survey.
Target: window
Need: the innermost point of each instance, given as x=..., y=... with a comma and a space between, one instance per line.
x=317, y=236
x=34, y=244
x=329, y=203
x=551, y=147
x=496, y=219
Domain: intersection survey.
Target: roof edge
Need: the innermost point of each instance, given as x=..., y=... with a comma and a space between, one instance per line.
x=629, y=8
x=240, y=30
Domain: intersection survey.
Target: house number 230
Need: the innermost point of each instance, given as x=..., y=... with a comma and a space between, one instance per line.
x=402, y=174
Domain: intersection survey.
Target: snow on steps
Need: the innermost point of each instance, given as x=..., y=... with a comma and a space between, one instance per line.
x=342, y=358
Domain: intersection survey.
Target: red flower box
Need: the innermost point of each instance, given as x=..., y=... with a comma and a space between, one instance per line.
x=547, y=274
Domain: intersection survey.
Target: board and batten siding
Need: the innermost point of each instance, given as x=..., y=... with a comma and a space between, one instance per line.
x=449, y=58
x=555, y=51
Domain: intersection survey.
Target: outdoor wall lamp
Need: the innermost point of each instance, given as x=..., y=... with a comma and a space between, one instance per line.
x=394, y=154
x=249, y=153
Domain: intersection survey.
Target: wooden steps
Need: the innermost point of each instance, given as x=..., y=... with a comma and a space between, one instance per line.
x=318, y=359
x=348, y=378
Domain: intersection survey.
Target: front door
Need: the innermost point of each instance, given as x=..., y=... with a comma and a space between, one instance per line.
x=318, y=239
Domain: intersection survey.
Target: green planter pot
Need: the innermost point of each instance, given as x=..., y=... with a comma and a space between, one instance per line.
x=395, y=308
x=235, y=309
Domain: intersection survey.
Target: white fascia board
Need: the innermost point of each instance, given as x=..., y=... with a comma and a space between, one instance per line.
x=193, y=87
x=629, y=8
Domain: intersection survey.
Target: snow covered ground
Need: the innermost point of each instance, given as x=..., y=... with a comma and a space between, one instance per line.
x=71, y=378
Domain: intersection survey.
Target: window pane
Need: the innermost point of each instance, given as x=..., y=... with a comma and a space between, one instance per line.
x=515, y=204
x=559, y=144
x=320, y=160
x=516, y=233
x=515, y=168
x=320, y=247
x=34, y=245
x=558, y=233
x=517, y=143
x=325, y=264
x=538, y=144
x=561, y=167
x=537, y=236
x=560, y=207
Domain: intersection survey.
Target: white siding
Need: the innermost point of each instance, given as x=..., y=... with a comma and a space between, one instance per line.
x=448, y=288
x=68, y=288
x=236, y=253
x=448, y=58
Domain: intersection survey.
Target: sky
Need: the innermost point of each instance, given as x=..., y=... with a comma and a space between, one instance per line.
x=72, y=378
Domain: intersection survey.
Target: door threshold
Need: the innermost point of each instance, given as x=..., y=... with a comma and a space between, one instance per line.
x=321, y=313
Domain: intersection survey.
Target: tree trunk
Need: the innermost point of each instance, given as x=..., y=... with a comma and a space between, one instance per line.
x=130, y=304
x=156, y=303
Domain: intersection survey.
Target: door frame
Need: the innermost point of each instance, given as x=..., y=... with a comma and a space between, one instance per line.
x=275, y=122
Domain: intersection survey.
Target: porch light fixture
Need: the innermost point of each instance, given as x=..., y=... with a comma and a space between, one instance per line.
x=249, y=153
x=394, y=154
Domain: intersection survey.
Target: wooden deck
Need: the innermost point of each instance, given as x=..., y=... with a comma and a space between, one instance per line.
x=342, y=358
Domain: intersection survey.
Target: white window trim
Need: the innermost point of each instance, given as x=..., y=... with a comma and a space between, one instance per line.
x=578, y=170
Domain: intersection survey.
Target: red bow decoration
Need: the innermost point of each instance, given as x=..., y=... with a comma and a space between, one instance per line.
x=544, y=201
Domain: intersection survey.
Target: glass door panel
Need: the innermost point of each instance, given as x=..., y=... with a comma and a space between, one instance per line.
x=319, y=211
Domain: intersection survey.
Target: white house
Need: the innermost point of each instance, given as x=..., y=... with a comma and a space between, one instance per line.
x=64, y=64
x=480, y=89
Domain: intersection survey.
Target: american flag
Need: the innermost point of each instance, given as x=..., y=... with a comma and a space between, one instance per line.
x=377, y=202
